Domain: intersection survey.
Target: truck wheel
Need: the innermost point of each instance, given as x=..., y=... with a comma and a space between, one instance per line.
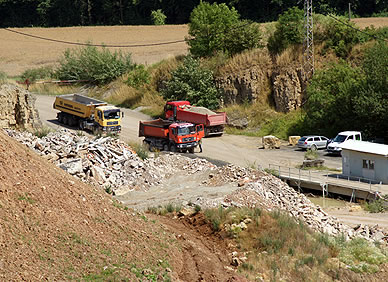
x=191, y=150
x=173, y=148
x=65, y=120
x=165, y=148
x=60, y=118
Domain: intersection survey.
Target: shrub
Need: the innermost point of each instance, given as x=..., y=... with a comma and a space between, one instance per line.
x=39, y=73
x=138, y=77
x=158, y=17
x=42, y=132
x=289, y=30
x=376, y=206
x=3, y=77
x=193, y=83
x=311, y=155
x=141, y=150
x=94, y=65
x=217, y=28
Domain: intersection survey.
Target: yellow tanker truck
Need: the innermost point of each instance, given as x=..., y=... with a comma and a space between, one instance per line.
x=88, y=113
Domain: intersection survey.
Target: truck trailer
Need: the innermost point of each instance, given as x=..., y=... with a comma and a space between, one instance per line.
x=168, y=135
x=182, y=111
x=88, y=113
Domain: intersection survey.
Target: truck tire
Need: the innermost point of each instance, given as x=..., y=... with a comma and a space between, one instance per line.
x=173, y=148
x=191, y=150
x=65, y=120
x=165, y=148
x=60, y=118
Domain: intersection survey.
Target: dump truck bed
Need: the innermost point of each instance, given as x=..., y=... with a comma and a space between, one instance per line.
x=154, y=128
x=76, y=104
x=198, y=116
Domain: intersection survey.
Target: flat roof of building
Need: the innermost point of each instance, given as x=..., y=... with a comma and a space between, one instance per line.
x=366, y=147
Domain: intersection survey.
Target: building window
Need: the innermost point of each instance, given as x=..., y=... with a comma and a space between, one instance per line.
x=368, y=164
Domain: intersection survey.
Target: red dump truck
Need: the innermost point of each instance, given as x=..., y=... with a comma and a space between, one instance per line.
x=168, y=135
x=182, y=111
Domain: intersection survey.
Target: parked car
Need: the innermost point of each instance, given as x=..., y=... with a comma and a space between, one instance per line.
x=313, y=142
x=334, y=145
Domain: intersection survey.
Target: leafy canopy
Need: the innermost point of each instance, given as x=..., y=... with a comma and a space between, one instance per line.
x=216, y=27
x=193, y=83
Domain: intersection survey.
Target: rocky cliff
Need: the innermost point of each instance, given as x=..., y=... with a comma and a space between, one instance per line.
x=17, y=108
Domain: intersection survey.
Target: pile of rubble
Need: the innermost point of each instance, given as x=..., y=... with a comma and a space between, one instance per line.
x=106, y=161
x=270, y=193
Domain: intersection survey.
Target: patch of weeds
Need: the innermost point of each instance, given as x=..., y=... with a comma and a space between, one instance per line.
x=216, y=217
x=77, y=239
x=42, y=132
x=106, y=274
x=119, y=205
x=197, y=208
x=376, y=206
x=26, y=198
x=311, y=155
x=272, y=171
x=153, y=210
x=142, y=150
x=144, y=218
x=361, y=255
x=247, y=266
x=252, y=165
x=108, y=189
x=178, y=208
x=170, y=208
x=80, y=133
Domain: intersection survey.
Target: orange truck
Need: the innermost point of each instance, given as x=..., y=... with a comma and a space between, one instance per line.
x=172, y=136
x=182, y=111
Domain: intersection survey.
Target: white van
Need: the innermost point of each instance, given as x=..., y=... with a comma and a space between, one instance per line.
x=334, y=145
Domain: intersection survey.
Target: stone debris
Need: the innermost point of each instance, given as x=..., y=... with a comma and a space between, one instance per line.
x=111, y=163
x=107, y=161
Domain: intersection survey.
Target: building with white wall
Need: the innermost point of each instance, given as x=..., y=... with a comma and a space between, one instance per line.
x=366, y=160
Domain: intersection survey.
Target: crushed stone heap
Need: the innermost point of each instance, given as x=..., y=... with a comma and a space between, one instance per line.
x=106, y=161
x=17, y=108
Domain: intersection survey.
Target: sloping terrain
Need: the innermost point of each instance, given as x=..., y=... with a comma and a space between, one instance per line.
x=54, y=227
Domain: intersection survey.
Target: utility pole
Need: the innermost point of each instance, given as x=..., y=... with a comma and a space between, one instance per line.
x=308, y=44
x=350, y=13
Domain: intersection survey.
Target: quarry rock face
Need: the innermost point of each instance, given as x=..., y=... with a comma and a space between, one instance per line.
x=246, y=86
x=287, y=89
x=17, y=108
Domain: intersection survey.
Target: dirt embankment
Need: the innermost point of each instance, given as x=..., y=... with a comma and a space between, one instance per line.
x=54, y=227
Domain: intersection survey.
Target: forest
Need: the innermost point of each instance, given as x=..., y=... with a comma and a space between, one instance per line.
x=59, y=13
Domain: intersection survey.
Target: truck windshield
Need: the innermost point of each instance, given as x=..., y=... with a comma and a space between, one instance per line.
x=112, y=114
x=339, y=138
x=186, y=130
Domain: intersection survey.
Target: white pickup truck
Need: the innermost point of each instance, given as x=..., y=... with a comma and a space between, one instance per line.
x=334, y=145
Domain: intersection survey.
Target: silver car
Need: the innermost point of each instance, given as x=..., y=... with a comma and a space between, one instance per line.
x=313, y=142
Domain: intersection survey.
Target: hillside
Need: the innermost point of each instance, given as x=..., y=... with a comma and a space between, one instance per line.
x=54, y=227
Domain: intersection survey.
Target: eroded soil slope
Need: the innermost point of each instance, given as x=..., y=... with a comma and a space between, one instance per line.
x=54, y=227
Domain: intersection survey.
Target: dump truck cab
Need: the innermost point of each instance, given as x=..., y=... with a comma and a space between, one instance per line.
x=108, y=118
x=184, y=135
x=171, y=107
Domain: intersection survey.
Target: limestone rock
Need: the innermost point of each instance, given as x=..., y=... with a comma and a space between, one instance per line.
x=293, y=140
x=287, y=89
x=271, y=142
x=17, y=108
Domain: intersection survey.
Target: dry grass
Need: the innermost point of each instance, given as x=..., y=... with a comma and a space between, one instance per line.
x=376, y=22
x=246, y=60
x=290, y=56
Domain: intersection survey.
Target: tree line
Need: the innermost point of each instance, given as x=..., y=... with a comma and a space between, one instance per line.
x=53, y=13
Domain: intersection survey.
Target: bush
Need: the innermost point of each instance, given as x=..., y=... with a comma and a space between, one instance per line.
x=3, y=77
x=138, y=77
x=217, y=28
x=93, y=65
x=311, y=155
x=39, y=73
x=193, y=83
x=289, y=30
x=158, y=17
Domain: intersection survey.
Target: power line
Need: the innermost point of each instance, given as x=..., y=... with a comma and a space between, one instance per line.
x=371, y=35
x=95, y=45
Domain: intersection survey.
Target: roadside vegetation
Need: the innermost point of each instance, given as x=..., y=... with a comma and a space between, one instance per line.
x=350, y=78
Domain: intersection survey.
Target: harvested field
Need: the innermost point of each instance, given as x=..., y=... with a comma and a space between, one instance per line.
x=18, y=52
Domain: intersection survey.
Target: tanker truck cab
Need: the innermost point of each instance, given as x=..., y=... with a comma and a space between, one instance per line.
x=108, y=119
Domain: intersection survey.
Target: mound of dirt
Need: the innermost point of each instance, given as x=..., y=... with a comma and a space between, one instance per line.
x=17, y=108
x=54, y=227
